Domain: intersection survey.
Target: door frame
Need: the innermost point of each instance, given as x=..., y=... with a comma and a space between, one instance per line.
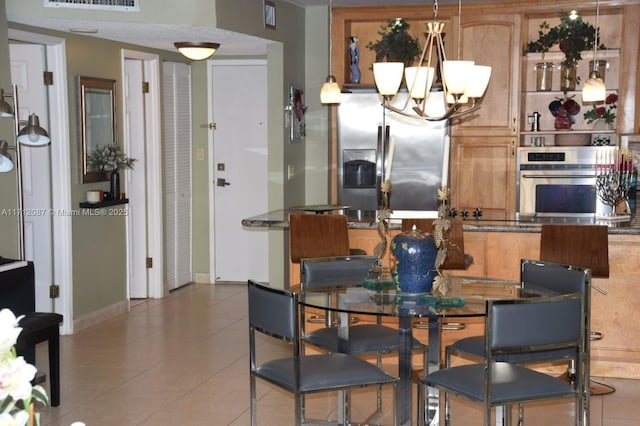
x=155, y=218
x=55, y=48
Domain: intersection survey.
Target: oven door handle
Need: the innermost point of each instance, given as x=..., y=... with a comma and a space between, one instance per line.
x=558, y=176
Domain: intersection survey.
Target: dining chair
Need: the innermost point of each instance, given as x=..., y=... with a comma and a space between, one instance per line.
x=537, y=278
x=364, y=339
x=515, y=328
x=274, y=312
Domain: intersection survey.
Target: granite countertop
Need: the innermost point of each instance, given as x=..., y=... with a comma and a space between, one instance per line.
x=488, y=222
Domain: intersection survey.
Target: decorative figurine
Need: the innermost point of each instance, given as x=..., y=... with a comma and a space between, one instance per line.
x=354, y=50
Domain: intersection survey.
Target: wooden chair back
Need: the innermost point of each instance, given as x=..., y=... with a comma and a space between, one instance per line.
x=586, y=246
x=317, y=235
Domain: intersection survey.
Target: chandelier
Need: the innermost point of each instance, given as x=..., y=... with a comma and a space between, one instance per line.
x=463, y=82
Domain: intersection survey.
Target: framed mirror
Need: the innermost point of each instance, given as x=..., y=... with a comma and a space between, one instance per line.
x=97, y=122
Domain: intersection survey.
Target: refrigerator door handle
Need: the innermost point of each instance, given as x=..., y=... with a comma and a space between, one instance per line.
x=379, y=163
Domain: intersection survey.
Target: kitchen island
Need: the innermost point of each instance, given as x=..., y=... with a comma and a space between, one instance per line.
x=498, y=242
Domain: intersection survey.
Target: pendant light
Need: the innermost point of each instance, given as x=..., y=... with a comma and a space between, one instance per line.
x=594, y=89
x=462, y=82
x=196, y=51
x=330, y=91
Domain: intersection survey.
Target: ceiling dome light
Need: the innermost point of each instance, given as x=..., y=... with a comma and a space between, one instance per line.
x=196, y=51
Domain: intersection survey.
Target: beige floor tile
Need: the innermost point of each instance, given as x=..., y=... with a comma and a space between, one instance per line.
x=183, y=360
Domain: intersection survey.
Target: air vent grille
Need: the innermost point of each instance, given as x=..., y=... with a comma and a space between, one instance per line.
x=122, y=5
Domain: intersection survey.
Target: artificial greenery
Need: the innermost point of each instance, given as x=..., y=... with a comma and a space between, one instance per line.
x=396, y=44
x=573, y=35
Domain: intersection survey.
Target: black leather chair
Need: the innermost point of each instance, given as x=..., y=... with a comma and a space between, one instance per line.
x=17, y=292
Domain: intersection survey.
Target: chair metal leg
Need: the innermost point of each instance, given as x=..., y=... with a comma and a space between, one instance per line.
x=254, y=405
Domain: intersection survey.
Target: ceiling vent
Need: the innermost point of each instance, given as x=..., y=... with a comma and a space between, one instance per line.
x=121, y=5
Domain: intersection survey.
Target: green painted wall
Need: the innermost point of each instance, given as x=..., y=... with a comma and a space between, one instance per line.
x=8, y=200
x=99, y=242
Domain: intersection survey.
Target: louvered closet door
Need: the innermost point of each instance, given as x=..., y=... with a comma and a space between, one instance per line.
x=177, y=172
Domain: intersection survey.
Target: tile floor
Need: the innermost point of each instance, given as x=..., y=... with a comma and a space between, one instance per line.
x=183, y=360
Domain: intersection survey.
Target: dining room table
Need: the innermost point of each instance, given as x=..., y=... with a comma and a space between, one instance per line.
x=466, y=297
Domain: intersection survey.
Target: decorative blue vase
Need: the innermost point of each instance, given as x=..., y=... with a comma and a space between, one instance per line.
x=414, y=258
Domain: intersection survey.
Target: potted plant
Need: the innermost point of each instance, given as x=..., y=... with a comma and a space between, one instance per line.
x=396, y=44
x=572, y=35
x=110, y=157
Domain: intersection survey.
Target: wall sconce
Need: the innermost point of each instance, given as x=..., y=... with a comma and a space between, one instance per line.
x=5, y=109
x=196, y=51
x=30, y=135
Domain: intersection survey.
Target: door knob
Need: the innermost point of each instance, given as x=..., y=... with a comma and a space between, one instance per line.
x=222, y=182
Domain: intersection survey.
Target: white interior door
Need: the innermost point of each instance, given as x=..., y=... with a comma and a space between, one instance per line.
x=27, y=67
x=240, y=165
x=134, y=127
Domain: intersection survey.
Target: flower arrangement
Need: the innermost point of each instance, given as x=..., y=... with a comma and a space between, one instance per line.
x=396, y=44
x=607, y=112
x=109, y=157
x=573, y=35
x=16, y=392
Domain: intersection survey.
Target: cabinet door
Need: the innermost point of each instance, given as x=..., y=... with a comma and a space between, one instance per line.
x=484, y=175
x=493, y=41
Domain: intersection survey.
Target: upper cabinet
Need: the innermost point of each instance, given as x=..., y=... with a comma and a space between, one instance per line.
x=492, y=40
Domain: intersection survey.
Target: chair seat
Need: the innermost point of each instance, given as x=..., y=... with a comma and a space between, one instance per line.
x=511, y=383
x=323, y=372
x=474, y=346
x=37, y=327
x=363, y=339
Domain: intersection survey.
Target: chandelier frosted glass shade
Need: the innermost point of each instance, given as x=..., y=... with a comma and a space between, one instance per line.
x=32, y=134
x=330, y=91
x=480, y=75
x=196, y=51
x=419, y=81
x=388, y=76
x=457, y=75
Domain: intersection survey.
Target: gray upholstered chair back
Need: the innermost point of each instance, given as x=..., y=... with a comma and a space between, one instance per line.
x=338, y=271
x=535, y=324
x=273, y=311
x=554, y=278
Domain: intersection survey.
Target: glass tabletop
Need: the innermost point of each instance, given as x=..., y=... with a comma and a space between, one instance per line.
x=467, y=298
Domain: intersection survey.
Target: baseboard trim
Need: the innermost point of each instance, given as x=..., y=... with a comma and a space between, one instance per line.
x=101, y=315
x=203, y=278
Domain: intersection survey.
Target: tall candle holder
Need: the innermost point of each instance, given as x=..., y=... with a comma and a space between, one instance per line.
x=613, y=180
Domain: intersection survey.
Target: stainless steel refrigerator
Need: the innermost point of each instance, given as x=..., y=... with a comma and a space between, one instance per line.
x=365, y=130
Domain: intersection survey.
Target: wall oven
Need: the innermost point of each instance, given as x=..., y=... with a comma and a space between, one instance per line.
x=559, y=181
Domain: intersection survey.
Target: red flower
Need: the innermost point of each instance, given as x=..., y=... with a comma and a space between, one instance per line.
x=600, y=111
x=611, y=99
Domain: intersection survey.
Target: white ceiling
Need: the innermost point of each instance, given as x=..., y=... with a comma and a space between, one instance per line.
x=162, y=36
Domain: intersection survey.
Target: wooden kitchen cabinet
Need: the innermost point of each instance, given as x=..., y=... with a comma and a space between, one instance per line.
x=483, y=173
x=483, y=152
x=499, y=107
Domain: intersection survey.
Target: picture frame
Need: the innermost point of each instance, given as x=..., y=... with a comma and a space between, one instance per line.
x=294, y=115
x=269, y=14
